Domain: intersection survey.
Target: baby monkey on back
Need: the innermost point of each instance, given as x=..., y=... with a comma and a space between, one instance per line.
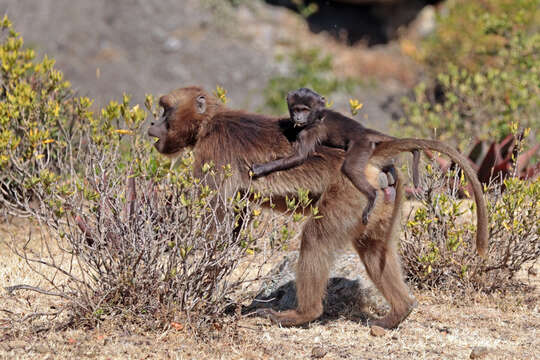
x=319, y=125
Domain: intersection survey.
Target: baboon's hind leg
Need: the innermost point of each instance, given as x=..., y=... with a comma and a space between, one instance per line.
x=381, y=261
x=354, y=168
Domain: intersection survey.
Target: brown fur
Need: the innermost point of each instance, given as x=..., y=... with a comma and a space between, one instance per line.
x=241, y=139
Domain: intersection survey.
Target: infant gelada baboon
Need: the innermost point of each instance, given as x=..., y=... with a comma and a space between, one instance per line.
x=321, y=126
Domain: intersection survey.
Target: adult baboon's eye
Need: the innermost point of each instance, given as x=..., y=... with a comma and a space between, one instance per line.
x=165, y=113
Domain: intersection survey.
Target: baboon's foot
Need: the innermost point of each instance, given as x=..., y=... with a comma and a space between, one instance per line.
x=393, y=319
x=288, y=318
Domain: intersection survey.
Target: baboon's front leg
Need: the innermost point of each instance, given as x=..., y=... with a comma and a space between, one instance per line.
x=312, y=271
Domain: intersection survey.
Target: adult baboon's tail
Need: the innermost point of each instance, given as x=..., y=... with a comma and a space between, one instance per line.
x=391, y=148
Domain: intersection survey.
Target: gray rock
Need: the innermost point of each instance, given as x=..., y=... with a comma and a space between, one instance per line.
x=150, y=37
x=383, y=180
x=107, y=48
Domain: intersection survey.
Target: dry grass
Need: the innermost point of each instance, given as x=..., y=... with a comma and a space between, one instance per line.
x=443, y=326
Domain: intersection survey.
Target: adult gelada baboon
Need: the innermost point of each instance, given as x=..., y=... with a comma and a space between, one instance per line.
x=193, y=118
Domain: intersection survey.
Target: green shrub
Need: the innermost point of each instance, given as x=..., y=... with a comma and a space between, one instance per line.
x=475, y=34
x=438, y=250
x=305, y=8
x=487, y=59
x=38, y=119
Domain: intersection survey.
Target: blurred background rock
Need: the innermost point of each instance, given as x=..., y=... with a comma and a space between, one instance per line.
x=106, y=48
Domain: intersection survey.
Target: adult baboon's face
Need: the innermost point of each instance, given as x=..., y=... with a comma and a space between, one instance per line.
x=183, y=112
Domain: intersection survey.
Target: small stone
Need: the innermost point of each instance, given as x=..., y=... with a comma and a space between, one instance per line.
x=40, y=348
x=532, y=272
x=479, y=352
x=318, y=352
x=377, y=331
x=17, y=344
x=172, y=45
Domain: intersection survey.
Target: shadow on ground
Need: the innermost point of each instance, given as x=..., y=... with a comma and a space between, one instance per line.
x=345, y=299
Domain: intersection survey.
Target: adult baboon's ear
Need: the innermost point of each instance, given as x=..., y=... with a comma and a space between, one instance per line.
x=201, y=104
x=164, y=101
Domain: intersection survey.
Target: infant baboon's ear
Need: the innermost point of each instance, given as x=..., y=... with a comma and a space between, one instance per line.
x=201, y=104
x=289, y=97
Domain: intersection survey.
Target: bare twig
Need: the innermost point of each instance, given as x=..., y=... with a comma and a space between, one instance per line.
x=11, y=289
